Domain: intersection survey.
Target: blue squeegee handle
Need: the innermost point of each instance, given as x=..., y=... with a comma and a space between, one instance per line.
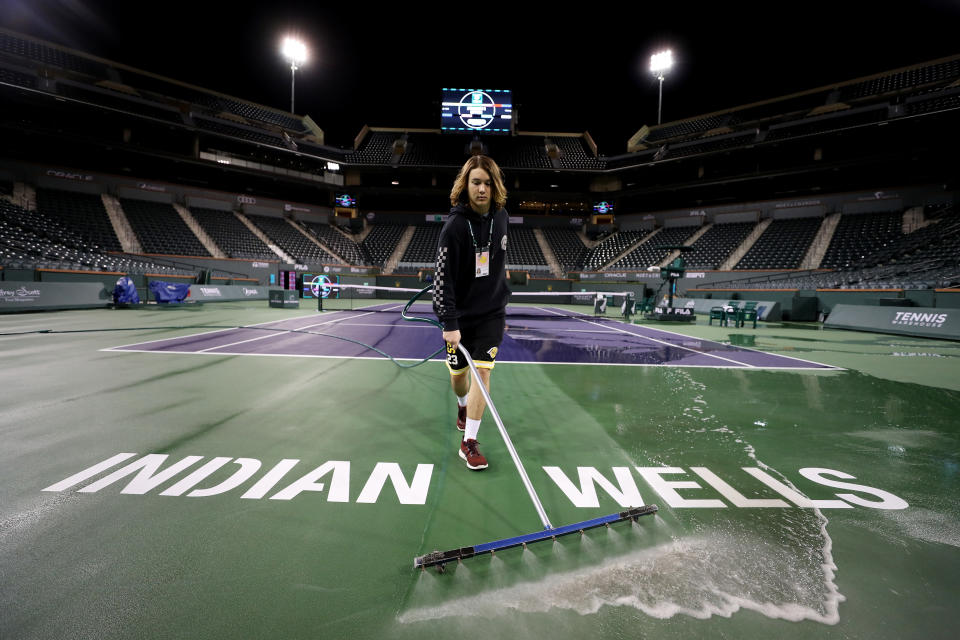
x=493, y=411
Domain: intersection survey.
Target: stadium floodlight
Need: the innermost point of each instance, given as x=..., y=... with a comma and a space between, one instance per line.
x=660, y=63
x=295, y=52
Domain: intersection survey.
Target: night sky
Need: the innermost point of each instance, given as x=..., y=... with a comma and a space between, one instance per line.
x=570, y=70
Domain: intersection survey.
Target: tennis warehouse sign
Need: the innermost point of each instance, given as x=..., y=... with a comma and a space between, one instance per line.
x=927, y=322
x=337, y=480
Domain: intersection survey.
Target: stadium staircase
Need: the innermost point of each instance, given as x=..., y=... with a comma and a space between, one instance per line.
x=394, y=259
x=312, y=238
x=263, y=238
x=688, y=243
x=548, y=254
x=741, y=251
x=24, y=196
x=818, y=248
x=914, y=220
x=630, y=249
x=198, y=231
x=121, y=226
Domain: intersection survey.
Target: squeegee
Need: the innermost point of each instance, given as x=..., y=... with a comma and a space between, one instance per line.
x=439, y=558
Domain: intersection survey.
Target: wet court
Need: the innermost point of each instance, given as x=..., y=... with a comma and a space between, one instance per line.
x=225, y=471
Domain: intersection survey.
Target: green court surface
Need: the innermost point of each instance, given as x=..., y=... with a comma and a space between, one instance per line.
x=325, y=477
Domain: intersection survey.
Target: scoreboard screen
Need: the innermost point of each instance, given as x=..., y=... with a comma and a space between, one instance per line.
x=315, y=286
x=477, y=110
x=345, y=200
x=603, y=207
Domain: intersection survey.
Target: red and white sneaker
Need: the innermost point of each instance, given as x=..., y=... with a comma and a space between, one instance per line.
x=461, y=418
x=470, y=453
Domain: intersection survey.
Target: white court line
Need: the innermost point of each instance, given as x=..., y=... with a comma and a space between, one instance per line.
x=635, y=335
x=204, y=333
x=767, y=353
x=439, y=360
x=279, y=333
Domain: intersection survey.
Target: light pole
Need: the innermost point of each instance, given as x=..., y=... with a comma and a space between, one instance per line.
x=296, y=53
x=660, y=63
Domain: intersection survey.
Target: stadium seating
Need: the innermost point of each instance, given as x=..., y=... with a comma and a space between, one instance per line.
x=84, y=213
x=523, y=250
x=568, y=248
x=902, y=80
x=611, y=247
x=376, y=148
x=285, y=236
x=649, y=254
x=344, y=246
x=423, y=246
x=574, y=154
x=859, y=236
x=782, y=245
x=34, y=240
x=381, y=242
x=231, y=235
x=714, y=246
x=160, y=229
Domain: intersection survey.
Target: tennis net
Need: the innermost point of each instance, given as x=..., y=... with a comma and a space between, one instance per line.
x=543, y=304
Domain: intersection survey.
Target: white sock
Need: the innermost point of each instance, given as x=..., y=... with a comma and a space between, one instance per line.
x=462, y=401
x=473, y=426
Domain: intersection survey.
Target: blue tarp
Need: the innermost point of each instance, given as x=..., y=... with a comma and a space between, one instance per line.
x=125, y=292
x=168, y=292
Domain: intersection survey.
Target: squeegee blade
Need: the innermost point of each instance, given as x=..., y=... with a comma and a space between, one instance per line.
x=442, y=557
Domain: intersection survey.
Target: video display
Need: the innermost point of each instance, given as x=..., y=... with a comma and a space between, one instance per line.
x=345, y=200
x=317, y=286
x=487, y=111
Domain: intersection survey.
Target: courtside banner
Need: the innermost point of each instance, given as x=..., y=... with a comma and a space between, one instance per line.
x=926, y=322
x=37, y=296
x=215, y=292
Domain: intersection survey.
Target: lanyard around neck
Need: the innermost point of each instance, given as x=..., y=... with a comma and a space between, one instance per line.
x=489, y=236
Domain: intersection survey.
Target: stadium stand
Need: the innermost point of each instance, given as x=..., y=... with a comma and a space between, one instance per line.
x=34, y=240
x=649, y=254
x=568, y=248
x=238, y=131
x=782, y=245
x=82, y=212
x=344, y=246
x=292, y=241
x=719, y=241
x=422, y=249
x=611, y=247
x=381, y=242
x=45, y=54
x=574, y=154
x=20, y=79
x=375, y=148
x=118, y=100
x=859, y=236
x=523, y=250
x=231, y=235
x=160, y=229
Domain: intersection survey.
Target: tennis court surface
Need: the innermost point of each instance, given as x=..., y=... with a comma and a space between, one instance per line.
x=807, y=480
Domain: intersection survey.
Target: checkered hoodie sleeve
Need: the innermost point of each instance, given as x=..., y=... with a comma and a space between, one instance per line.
x=444, y=298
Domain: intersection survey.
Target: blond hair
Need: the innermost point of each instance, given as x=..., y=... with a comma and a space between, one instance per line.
x=457, y=195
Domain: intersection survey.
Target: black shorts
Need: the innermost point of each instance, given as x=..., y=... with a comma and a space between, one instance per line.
x=482, y=341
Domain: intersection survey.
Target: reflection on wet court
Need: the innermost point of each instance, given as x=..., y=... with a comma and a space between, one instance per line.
x=807, y=485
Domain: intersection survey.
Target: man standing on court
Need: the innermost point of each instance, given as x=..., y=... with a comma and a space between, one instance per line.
x=470, y=289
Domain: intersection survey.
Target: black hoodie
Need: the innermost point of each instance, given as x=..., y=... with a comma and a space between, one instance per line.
x=458, y=295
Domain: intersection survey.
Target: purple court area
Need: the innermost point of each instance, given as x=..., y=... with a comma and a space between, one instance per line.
x=544, y=335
